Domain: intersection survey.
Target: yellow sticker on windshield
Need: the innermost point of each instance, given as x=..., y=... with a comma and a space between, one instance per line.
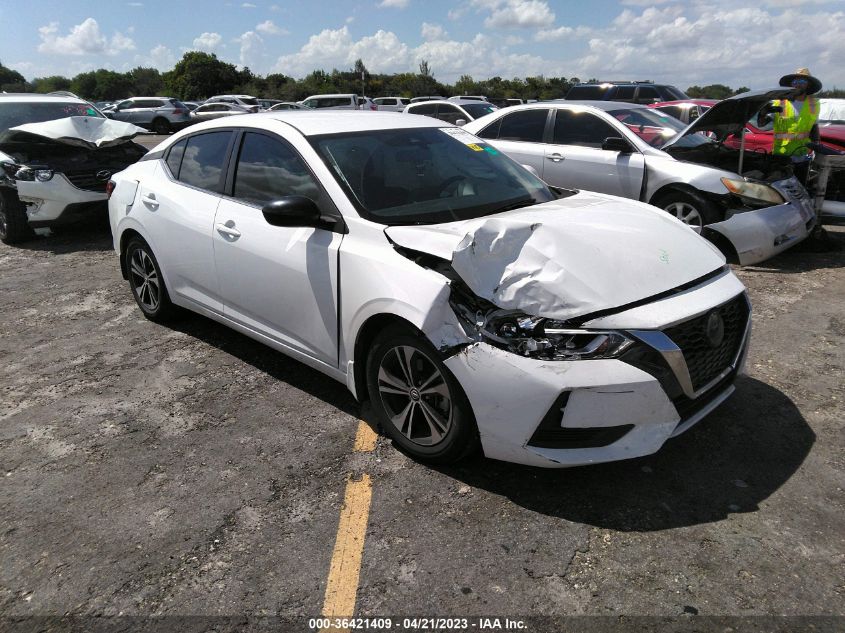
x=475, y=148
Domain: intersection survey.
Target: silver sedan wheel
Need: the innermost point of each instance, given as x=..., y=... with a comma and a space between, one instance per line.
x=415, y=395
x=687, y=214
x=145, y=280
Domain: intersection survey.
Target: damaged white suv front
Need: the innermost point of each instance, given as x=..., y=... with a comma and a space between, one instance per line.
x=57, y=154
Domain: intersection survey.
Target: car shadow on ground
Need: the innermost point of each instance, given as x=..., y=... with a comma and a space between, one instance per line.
x=90, y=234
x=268, y=361
x=729, y=463
x=809, y=255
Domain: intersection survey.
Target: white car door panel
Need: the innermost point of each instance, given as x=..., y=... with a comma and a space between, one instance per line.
x=179, y=220
x=279, y=281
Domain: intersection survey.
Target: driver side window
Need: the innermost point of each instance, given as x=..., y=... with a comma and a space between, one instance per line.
x=581, y=128
x=269, y=169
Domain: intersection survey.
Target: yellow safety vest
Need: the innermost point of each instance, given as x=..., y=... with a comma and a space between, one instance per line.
x=792, y=129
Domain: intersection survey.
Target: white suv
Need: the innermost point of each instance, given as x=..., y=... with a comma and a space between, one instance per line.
x=339, y=102
x=245, y=101
x=391, y=104
x=56, y=160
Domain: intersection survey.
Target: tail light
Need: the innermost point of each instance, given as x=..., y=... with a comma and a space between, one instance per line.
x=110, y=185
x=373, y=106
x=178, y=111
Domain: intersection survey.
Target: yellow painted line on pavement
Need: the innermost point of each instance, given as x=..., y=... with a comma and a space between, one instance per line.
x=345, y=568
x=365, y=439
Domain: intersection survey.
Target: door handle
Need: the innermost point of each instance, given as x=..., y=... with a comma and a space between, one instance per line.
x=555, y=157
x=149, y=199
x=228, y=230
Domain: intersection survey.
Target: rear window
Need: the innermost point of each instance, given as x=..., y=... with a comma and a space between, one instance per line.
x=624, y=93
x=252, y=102
x=13, y=114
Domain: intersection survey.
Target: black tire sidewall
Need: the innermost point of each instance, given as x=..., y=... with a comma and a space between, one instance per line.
x=17, y=222
x=165, y=308
x=462, y=437
x=161, y=126
x=707, y=210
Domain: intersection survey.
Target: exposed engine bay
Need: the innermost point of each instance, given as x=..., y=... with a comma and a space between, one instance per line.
x=755, y=165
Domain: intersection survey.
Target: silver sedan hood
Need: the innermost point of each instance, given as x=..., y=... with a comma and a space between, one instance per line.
x=570, y=257
x=730, y=115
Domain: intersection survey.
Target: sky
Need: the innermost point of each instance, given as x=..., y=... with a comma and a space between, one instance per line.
x=682, y=43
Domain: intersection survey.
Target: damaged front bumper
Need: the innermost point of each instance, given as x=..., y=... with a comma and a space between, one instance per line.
x=570, y=413
x=48, y=202
x=759, y=234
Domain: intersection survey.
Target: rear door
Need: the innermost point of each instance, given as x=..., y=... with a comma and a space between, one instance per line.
x=575, y=157
x=178, y=208
x=279, y=281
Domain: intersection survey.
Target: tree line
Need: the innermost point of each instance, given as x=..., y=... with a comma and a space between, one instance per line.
x=200, y=75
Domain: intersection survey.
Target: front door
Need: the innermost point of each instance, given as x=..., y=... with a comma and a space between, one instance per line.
x=279, y=281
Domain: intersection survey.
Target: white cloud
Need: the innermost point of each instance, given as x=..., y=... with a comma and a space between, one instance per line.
x=159, y=57
x=394, y=4
x=83, y=39
x=431, y=32
x=135, y=4
x=252, y=49
x=247, y=5
x=550, y=35
x=208, y=42
x=509, y=14
x=383, y=52
x=268, y=27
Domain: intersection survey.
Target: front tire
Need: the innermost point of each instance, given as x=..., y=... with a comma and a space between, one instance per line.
x=146, y=282
x=417, y=400
x=14, y=225
x=689, y=207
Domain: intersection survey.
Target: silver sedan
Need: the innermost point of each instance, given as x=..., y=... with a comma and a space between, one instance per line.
x=212, y=111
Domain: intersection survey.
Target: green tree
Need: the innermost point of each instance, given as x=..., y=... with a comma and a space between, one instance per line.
x=199, y=75
x=50, y=84
x=11, y=79
x=146, y=82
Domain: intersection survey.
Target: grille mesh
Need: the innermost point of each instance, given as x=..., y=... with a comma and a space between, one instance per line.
x=86, y=180
x=704, y=361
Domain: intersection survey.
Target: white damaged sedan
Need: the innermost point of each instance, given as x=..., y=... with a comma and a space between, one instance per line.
x=433, y=275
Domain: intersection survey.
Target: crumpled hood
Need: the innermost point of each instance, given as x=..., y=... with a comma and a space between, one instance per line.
x=569, y=257
x=81, y=131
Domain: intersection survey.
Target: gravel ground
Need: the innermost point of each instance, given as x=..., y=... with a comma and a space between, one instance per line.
x=188, y=470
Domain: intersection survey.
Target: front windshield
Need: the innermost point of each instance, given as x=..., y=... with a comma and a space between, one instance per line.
x=13, y=113
x=656, y=128
x=427, y=175
x=478, y=110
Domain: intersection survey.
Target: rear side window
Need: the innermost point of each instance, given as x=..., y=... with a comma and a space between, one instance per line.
x=491, y=131
x=449, y=113
x=426, y=109
x=203, y=161
x=527, y=125
x=174, y=158
x=648, y=94
x=269, y=169
x=594, y=92
x=623, y=93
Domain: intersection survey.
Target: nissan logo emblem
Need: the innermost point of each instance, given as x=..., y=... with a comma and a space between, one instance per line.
x=714, y=329
x=103, y=174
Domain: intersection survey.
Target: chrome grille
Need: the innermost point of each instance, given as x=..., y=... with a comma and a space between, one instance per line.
x=87, y=180
x=704, y=361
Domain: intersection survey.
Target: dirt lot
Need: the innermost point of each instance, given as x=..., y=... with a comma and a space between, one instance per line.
x=189, y=471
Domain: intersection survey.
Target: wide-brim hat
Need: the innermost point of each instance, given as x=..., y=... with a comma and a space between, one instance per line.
x=813, y=84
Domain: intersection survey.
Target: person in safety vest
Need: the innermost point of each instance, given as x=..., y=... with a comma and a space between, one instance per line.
x=795, y=118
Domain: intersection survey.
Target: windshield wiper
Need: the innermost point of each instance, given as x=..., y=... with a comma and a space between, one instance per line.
x=514, y=204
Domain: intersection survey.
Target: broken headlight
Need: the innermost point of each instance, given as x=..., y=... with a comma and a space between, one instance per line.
x=753, y=192
x=548, y=339
x=30, y=174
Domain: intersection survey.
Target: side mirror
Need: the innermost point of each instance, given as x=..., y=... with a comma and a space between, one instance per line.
x=292, y=211
x=616, y=144
x=461, y=122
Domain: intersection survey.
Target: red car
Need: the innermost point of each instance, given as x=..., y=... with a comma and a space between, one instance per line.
x=757, y=139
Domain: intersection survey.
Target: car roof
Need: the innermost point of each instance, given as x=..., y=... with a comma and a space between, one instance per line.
x=28, y=97
x=598, y=105
x=315, y=123
x=449, y=102
x=337, y=94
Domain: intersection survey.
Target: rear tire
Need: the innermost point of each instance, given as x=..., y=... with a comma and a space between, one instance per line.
x=14, y=225
x=161, y=126
x=689, y=207
x=146, y=282
x=416, y=399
